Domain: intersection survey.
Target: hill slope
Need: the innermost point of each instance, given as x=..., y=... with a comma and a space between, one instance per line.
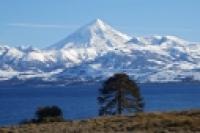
x=174, y=122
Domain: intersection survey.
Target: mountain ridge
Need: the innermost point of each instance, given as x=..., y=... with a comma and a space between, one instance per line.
x=96, y=51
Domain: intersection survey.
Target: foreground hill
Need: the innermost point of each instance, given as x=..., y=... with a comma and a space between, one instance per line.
x=173, y=122
x=96, y=51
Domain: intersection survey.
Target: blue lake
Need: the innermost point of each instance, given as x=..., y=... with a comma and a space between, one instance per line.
x=79, y=101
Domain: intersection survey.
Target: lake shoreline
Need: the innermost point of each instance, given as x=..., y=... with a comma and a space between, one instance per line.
x=63, y=83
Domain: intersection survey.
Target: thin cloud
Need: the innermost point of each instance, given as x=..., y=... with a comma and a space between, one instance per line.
x=31, y=25
x=136, y=29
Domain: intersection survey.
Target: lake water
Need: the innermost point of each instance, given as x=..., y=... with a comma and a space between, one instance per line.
x=79, y=101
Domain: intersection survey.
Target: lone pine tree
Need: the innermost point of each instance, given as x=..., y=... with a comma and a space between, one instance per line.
x=119, y=94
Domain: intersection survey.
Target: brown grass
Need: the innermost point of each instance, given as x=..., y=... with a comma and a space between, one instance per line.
x=172, y=122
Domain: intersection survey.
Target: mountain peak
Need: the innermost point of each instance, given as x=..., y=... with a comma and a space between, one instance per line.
x=98, y=21
x=98, y=24
x=96, y=34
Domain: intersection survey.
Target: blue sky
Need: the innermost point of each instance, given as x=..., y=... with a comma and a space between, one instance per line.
x=41, y=23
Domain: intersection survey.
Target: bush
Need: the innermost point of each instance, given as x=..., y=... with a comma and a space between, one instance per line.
x=46, y=114
x=49, y=114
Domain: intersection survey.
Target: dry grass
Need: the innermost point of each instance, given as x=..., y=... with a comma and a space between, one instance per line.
x=172, y=122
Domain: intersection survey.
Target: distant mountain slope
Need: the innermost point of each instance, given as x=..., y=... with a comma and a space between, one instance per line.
x=96, y=34
x=96, y=51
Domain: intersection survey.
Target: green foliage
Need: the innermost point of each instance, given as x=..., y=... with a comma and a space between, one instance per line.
x=119, y=94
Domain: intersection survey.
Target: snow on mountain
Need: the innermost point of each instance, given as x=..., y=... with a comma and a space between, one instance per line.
x=96, y=35
x=96, y=51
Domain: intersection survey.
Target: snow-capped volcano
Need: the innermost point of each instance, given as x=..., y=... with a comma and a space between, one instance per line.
x=96, y=34
x=96, y=51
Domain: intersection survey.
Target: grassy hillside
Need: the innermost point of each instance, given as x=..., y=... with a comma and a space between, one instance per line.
x=172, y=122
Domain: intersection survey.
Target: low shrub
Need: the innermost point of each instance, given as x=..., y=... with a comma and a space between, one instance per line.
x=49, y=114
x=46, y=114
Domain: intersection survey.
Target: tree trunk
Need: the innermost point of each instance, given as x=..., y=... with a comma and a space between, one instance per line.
x=119, y=102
